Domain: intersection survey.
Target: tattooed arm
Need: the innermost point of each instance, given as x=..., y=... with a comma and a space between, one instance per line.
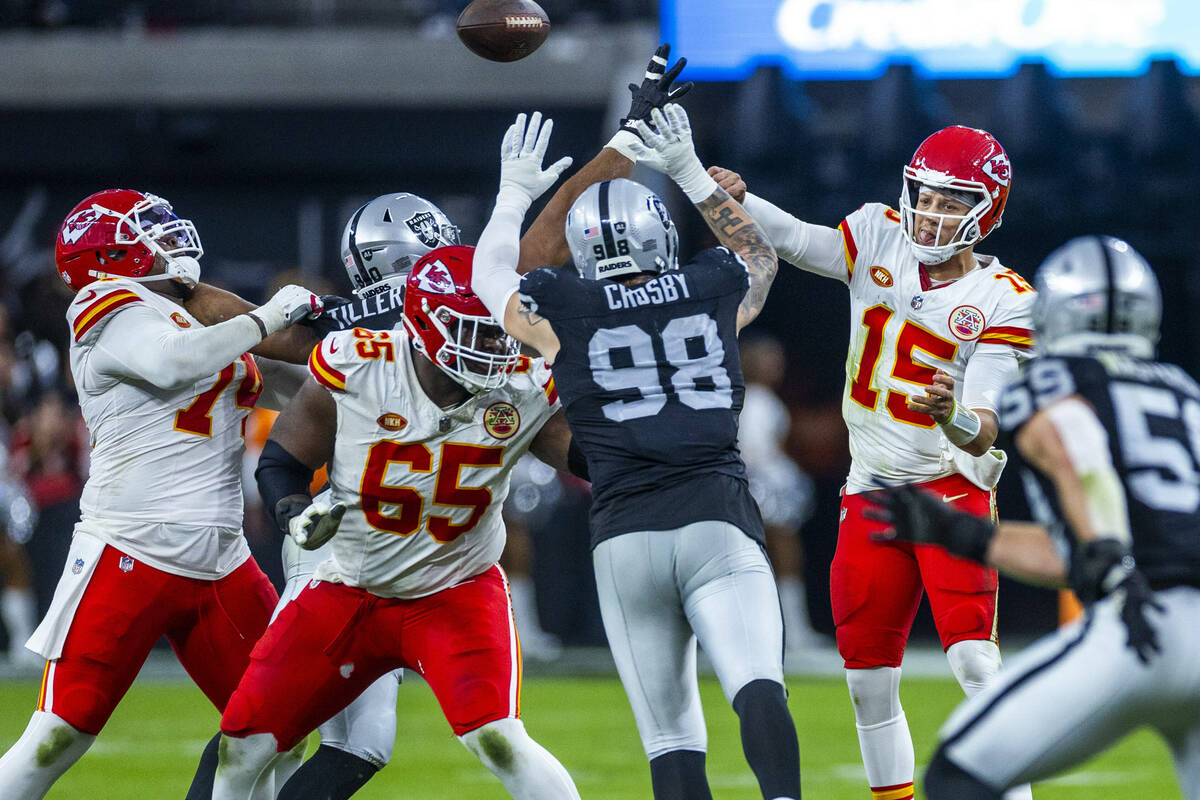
x=735, y=229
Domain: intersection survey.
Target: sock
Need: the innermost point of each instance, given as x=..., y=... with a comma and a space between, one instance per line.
x=526, y=769
x=769, y=737
x=19, y=612
x=679, y=775
x=245, y=767
x=883, y=735
x=975, y=664
x=206, y=770
x=945, y=780
x=331, y=774
x=46, y=750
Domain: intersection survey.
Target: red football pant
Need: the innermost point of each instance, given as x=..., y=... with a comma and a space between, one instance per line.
x=333, y=641
x=212, y=626
x=875, y=587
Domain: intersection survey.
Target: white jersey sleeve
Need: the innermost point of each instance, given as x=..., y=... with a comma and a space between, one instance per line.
x=165, y=477
x=423, y=485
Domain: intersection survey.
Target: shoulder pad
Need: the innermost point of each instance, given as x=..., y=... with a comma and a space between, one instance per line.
x=97, y=302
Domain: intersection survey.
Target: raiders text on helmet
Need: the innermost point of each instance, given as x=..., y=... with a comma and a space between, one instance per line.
x=118, y=233
x=968, y=165
x=1097, y=291
x=620, y=227
x=451, y=326
x=386, y=236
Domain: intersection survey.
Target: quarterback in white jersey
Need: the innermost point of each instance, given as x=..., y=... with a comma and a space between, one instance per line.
x=159, y=550
x=420, y=432
x=936, y=331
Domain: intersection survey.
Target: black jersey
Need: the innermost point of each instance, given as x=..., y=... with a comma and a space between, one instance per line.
x=651, y=383
x=380, y=312
x=1151, y=412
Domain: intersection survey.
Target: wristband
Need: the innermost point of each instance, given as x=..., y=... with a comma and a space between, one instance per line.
x=262, y=326
x=624, y=142
x=963, y=425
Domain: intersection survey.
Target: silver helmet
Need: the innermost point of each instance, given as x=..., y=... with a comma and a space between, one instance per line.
x=388, y=235
x=620, y=227
x=1097, y=291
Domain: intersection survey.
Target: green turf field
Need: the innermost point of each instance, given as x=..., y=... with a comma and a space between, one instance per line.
x=149, y=749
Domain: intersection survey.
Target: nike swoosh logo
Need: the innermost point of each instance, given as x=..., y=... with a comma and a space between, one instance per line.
x=946, y=499
x=90, y=296
x=333, y=347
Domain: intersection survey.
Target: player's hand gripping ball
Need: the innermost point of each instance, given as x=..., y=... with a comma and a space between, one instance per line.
x=503, y=30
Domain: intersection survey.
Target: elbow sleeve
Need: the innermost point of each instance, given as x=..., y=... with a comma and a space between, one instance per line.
x=280, y=475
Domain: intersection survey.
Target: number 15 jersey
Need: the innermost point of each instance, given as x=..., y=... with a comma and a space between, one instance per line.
x=652, y=387
x=903, y=327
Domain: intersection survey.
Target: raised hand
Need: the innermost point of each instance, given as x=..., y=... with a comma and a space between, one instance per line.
x=522, y=178
x=923, y=518
x=655, y=90
x=671, y=141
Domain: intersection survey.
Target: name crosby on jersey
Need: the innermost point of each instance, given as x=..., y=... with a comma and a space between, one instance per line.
x=666, y=288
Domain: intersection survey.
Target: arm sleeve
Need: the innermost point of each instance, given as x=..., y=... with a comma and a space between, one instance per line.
x=281, y=476
x=813, y=248
x=139, y=343
x=989, y=369
x=494, y=271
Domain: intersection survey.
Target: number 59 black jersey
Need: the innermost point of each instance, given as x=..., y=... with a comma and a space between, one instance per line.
x=651, y=382
x=1151, y=412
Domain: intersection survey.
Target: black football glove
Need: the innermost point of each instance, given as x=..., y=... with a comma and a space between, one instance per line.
x=1105, y=566
x=656, y=90
x=922, y=518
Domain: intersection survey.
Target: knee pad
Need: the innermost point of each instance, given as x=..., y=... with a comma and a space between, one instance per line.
x=875, y=694
x=945, y=780
x=974, y=662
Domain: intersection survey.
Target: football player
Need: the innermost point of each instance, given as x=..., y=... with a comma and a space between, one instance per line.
x=420, y=429
x=645, y=356
x=159, y=550
x=1108, y=441
x=936, y=331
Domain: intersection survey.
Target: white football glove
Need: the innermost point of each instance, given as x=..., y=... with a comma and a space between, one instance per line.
x=289, y=305
x=522, y=179
x=673, y=143
x=316, y=525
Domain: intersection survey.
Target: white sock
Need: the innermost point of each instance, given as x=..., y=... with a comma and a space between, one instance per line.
x=975, y=663
x=246, y=768
x=883, y=735
x=47, y=738
x=526, y=769
x=19, y=612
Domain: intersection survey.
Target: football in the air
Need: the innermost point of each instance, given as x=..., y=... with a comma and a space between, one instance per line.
x=503, y=30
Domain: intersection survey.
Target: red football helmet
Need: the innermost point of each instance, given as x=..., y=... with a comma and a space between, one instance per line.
x=118, y=232
x=451, y=326
x=969, y=165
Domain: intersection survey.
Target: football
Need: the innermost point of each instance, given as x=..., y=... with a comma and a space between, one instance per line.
x=503, y=30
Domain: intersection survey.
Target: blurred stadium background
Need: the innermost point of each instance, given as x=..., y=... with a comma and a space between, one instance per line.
x=269, y=121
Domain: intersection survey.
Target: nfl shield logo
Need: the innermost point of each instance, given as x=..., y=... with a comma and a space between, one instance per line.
x=77, y=567
x=126, y=564
x=917, y=302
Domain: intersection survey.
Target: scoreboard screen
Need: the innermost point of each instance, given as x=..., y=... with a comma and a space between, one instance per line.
x=858, y=39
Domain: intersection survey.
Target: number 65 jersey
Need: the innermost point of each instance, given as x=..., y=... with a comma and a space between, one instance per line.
x=652, y=387
x=903, y=327
x=423, y=485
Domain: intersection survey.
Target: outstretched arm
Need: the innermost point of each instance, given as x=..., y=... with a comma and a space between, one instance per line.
x=729, y=222
x=211, y=306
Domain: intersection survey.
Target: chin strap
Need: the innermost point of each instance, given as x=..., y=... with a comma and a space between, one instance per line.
x=184, y=269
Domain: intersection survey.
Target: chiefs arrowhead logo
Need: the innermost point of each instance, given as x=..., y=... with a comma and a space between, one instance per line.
x=77, y=225
x=998, y=169
x=435, y=278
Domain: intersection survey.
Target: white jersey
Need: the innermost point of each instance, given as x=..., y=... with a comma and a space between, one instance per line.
x=165, y=481
x=902, y=328
x=423, y=485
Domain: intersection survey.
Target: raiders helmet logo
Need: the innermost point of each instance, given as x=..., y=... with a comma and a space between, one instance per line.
x=75, y=227
x=424, y=227
x=998, y=169
x=435, y=278
x=966, y=322
x=501, y=420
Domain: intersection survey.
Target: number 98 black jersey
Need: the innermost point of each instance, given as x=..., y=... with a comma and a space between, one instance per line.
x=1151, y=412
x=651, y=382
